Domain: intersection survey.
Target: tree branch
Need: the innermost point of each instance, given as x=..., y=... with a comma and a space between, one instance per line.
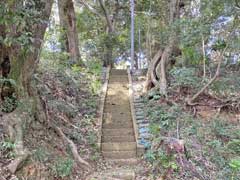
x=108, y=19
x=90, y=8
x=191, y=100
x=237, y=4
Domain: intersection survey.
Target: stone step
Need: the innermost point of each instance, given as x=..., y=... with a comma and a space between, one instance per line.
x=112, y=104
x=114, y=101
x=143, y=125
x=118, y=79
x=121, y=118
x=118, y=138
x=118, y=146
x=123, y=162
x=119, y=110
x=119, y=154
x=114, y=125
x=118, y=132
x=139, y=106
x=136, y=101
x=142, y=121
x=114, y=84
x=121, y=174
x=145, y=135
x=140, y=117
x=139, y=109
x=141, y=113
x=118, y=72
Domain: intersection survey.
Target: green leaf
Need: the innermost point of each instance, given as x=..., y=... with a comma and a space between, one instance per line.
x=235, y=164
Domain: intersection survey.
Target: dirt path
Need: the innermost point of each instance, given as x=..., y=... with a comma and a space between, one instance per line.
x=118, y=140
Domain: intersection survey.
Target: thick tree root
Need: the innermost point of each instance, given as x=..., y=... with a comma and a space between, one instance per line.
x=16, y=135
x=16, y=163
x=81, y=162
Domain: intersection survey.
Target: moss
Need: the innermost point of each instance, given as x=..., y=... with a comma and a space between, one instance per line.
x=16, y=73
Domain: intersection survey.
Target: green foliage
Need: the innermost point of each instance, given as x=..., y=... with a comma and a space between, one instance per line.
x=235, y=167
x=9, y=104
x=220, y=128
x=7, y=148
x=154, y=129
x=235, y=164
x=40, y=155
x=63, y=167
x=150, y=156
x=185, y=77
x=154, y=94
x=219, y=45
x=161, y=161
x=234, y=146
x=23, y=16
x=215, y=143
x=227, y=86
x=55, y=59
x=7, y=145
x=191, y=56
x=11, y=82
x=96, y=86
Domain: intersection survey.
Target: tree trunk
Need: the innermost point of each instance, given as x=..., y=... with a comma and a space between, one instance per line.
x=163, y=63
x=22, y=64
x=68, y=22
x=63, y=34
x=108, y=61
x=204, y=57
x=174, y=14
x=152, y=79
x=220, y=57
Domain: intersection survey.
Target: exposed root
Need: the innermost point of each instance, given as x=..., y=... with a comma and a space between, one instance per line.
x=81, y=162
x=16, y=163
x=16, y=134
x=156, y=60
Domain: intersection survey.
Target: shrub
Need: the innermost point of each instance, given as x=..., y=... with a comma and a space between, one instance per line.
x=63, y=167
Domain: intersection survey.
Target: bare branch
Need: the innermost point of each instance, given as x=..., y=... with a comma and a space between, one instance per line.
x=108, y=19
x=90, y=8
x=237, y=4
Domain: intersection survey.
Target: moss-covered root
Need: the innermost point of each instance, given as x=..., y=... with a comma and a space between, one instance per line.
x=15, y=127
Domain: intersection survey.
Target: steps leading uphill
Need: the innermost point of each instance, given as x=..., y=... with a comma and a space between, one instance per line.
x=118, y=141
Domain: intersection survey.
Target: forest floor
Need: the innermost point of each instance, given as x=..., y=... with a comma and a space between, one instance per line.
x=200, y=141
x=70, y=96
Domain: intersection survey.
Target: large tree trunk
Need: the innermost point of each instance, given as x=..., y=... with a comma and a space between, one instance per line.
x=22, y=64
x=152, y=79
x=164, y=61
x=63, y=35
x=156, y=75
x=68, y=22
x=174, y=14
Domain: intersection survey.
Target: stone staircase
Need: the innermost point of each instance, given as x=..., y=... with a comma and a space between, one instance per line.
x=118, y=140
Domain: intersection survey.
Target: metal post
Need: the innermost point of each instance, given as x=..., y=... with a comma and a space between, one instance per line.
x=132, y=34
x=139, y=46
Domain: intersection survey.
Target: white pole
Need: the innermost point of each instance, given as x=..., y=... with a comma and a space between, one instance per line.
x=132, y=34
x=139, y=46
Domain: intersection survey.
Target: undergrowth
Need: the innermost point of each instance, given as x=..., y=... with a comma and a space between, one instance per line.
x=69, y=95
x=211, y=144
